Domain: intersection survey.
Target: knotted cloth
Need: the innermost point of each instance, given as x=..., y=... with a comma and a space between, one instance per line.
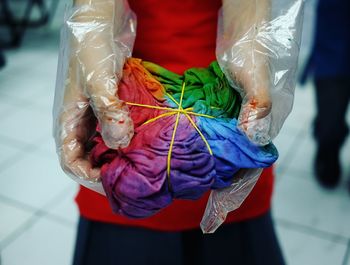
x=186, y=139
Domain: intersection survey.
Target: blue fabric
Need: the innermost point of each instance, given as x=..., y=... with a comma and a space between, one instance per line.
x=233, y=150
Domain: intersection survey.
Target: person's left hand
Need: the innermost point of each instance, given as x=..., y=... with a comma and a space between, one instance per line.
x=252, y=76
x=242, y=51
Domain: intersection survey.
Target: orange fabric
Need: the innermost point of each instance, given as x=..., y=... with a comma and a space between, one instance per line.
x=177, y=35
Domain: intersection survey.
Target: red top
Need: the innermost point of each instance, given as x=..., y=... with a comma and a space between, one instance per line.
x=177, y=35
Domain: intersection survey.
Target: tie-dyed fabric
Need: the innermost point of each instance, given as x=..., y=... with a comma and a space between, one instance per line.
x=135, y=178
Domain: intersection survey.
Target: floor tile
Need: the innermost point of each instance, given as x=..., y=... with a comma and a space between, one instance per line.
x=35, y=78
x=303, y=158
x=46, y=242
x=305, y=97
x=302, y=201
x=45, y=97
x=11, y=219
x=305, y=249
x=47, y=146
x=27, y=124
x=303, y=109
x=66, y=207
x=20, y=89
x=34, y=180
x=347, y=259
x=5, y=105
x=8, y=152
x=285, y=143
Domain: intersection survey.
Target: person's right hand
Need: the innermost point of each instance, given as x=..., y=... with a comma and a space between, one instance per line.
x=113, y=115
x=98, y=36
x=74, y=159
x=102, y=33
x=75, y=126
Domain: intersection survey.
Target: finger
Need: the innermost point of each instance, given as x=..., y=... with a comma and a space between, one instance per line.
x=82, y=168
x=116, y=129
x=75, y=161
x=251, y=112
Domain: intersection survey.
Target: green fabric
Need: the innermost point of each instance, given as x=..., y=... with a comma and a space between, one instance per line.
x=207, y=89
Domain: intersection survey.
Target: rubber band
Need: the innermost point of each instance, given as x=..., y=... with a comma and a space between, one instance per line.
x=193, y=123
x=187, y=112
x=160, y=116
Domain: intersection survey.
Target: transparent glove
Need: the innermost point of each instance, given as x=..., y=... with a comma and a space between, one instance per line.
x=101, y=33
x=73, y=129
x=96, y=38
x=257, y=47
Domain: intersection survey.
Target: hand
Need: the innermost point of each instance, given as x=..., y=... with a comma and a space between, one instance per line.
x=114, y=119
x=241, y=50
x=102, y=33
x=251, y=74
x=255, y=121
x=76, y=123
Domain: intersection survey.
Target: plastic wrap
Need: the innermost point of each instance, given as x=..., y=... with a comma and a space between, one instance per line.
x=257, y=47
x=96, y=38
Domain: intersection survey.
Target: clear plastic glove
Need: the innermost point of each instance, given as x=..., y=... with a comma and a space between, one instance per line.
x=96, y=38
x=102, y=34
x=247, y=63
x=257, y=47
x=76, y=122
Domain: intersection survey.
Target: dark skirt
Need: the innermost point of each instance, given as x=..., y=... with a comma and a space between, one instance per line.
x=249, y=242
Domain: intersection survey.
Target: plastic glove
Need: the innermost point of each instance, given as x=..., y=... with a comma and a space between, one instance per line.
x=257, y=47
x=76, y=122
x=96, y=38
x=102, y=33
x=248, y=64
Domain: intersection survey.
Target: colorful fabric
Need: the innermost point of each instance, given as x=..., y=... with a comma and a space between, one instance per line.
x=159, y=165
x=177, y=35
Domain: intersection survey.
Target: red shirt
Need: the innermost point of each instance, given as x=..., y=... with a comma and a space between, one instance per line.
x=177, y=35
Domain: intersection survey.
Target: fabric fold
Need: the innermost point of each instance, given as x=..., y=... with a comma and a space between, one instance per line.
x=135, y=178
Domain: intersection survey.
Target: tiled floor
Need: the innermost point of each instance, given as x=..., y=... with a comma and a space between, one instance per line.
x=38, y=216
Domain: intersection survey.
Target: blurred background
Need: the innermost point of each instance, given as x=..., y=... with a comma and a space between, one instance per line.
x=38, y=216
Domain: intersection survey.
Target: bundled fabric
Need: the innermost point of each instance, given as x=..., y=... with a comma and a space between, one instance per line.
x=186, y=139
x=184, y=145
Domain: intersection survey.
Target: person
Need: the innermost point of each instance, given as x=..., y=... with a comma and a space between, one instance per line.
x=329, y=65
x=176, y=35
